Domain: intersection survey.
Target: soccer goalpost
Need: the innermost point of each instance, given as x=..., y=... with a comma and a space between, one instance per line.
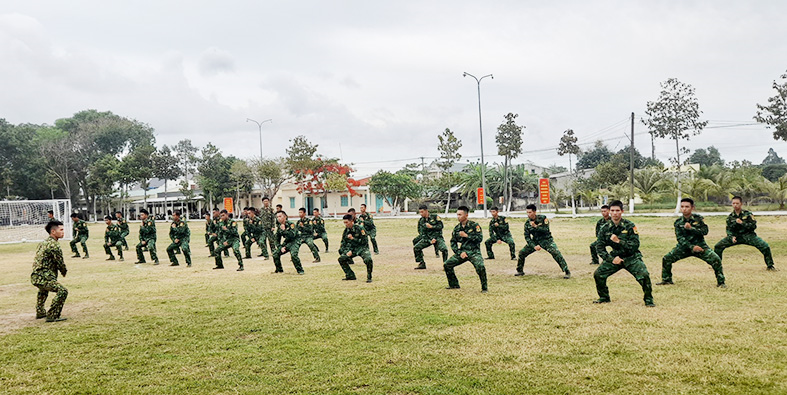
x=24, y=220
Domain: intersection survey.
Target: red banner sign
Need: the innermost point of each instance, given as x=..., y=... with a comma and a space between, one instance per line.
x=228, y=204
x=480, y=195
x=543, y=190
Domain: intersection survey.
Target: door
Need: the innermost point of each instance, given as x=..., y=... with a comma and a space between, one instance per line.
x=378, y=203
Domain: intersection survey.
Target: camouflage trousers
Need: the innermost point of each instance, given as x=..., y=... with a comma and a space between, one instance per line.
x=150, y=244
x=182, y=245
x=493, y=238
x=79, y=240
x=108, y=250
x=633, y=265
x=475, y=258
x=45, y=286
x=679, y=253
x=372, y=233
x=310, y=243
x=593, y=253
x=324, y=237
x=250, y=240
x=213, y=245
x=123, y=235
x=225, y=246
x=548, y=246
x=292, y=248
x=751, y=240
x=345, y=261
x=420, y=243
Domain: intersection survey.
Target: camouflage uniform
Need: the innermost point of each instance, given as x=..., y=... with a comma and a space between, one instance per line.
x=498, y=230
x=245, y=235
x=687, y=239
x=80, y=235
x=425, y=237
x=371, y=229
x=208, y=231
x=291, y=243
x=539, y=235
x=213, y=240
x=593, y=254
x=471, y=245
x=124, y=231
x=744, y=234
x=179, y=231
x=228, y=238
x=112, y=238
x=48, y=262
x=147, y=238
x=358, y=248
x=267, y=223
x=628, y=250
x=306, y=232
x=318, y=223
x=252, y=229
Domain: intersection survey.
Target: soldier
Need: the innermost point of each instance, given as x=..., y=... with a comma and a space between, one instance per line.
x=740, y=230
x=354, y=244
x=306, y=232
x=47, y=264
x=228, y=238
x=622, y=236
x=123, y=226
x=213, y=241
x=369, y=227
x=278, y=208
x=466, y=244
x=112, y=238
x=180, y=235
x=51, y=216
x=319, y=227
x=252, y=226
x=287, y=240
x=538, y=237
x=245, y=234
x=208, y=229
x=499, y=233
x=147, y=237
x=430, y=232
x=690, y=230
x=599, y=224
x=80, y=235
x=267, y=227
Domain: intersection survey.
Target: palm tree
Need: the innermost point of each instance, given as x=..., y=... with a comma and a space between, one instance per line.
x=650, y=183
x=775, y=191
x=697, y=187
x=724, y=182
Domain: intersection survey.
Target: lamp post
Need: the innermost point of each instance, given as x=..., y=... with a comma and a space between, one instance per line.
x=259, y=125
x=481, y=131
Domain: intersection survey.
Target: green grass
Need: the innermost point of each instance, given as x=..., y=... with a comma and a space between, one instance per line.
x=164, y=330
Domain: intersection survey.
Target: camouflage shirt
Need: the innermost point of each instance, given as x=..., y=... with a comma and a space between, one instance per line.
x=289, y=234
x=147, y=231
x=501, y=230
x=267, y=218
x=253, y=226
x=358, y=242
x=469, y=244
x=112, y=234
x=628, y=246
x=229, y=234
x=318, y=223
x=368, y=221
x=179, y=230
x=305, y=228
x=600, y=224
x=435, y=232
x=539, y=233
x=734, y=229
x=80, y=229
x=688, y=238
x=48, y=261
x=122, y=224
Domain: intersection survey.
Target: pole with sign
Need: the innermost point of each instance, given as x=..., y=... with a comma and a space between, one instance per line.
x=479, y=193
x=228, y=204
x=543, y=190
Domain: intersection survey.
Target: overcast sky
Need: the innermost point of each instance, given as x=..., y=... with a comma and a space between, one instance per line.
x=375, y=82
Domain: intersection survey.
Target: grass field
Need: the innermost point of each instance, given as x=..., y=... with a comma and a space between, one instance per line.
x=177, y=330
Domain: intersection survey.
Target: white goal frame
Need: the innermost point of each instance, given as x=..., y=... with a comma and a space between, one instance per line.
x=24, y=220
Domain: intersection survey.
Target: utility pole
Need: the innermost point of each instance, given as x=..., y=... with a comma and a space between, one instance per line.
x=631, y=165
x=423, y=169
x=481, y=132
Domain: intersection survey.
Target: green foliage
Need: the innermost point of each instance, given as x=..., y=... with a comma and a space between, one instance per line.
x=773, y=158
x=592, y=158
x=509, y=137
x=395, y=187
x=706, y=158
x=775, y=191
x=269, y=174
x=449, y=147
x=774, y=172
x=774, y=115
x=21, y=163
x=165, y=165
x=214, y=173
x=242, y=176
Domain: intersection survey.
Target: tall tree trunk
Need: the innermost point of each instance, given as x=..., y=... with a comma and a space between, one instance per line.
x=571, y=190
x=505, y=183
x=677, y=173
x=166, y=218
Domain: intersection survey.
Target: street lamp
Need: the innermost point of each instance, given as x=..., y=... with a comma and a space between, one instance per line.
x=481, y=131
x=259, y=125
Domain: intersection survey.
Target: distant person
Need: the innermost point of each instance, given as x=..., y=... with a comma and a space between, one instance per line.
x=80, y=235
x=252, y=226
x=599, y=224
x=369, y=227
x=538, y=237
x=306, y=233
x=499, y=233
x=112, y=238
x=48, y=262
x=690, y=230
x=180, y=235
x=740, y=231
x=51, y=216
x=147, y=237
x=622, y=236
x=466, y=244
x=318, y=223
x=430, y=232
x=123, y=226
x=354, y=245
x=268, y=228
x=287, y=240
x=228, y=239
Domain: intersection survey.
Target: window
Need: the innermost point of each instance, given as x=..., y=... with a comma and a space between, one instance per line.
x=345, y=201
x=292, y=202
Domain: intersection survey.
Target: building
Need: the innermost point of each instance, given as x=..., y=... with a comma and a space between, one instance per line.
x=331, y=203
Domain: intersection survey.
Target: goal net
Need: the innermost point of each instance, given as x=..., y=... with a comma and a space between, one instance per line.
x=24, y=220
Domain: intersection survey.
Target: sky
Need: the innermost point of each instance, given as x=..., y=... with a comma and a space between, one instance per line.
x=374, y=83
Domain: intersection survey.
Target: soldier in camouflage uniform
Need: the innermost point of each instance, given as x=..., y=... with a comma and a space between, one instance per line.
x=599, y=224
x=123, y=226
x=287, y=240
x=180, y=235
x=690, y=230
x=267, y=228
x=228, y=238
x=319, y=228
x=245, y=218
x=252, y=226
x=466, y=244
x=112, y=239
x=740, y=230
x=47, y=264
x=499, y=233
x=208, y=229
x=623, y=238
x=430, y=232
x=538, y=237
x=306, y=233
x=147, y=237
x=369, y=227
x=80, y=236
x=213, y=241
x=354, y=245
x=50, y=216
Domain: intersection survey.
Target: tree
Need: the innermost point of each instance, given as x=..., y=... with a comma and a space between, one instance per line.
x=509, y=145
x=314, y=175
x=776, y=191
x=449, y=150
x=592, y=158
x=21, y=163
x=186, y=153
x=675, y=115
x=214, y=174
x=242, y=177
x=649, y=182
x=138, y=166
x=394, y=187
x=269, y=174
x=102, y=176
x=774, y=115
x=568, y=146
x=166, y=167
x=614, y=171
x=706, y=158
x=772, y=158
